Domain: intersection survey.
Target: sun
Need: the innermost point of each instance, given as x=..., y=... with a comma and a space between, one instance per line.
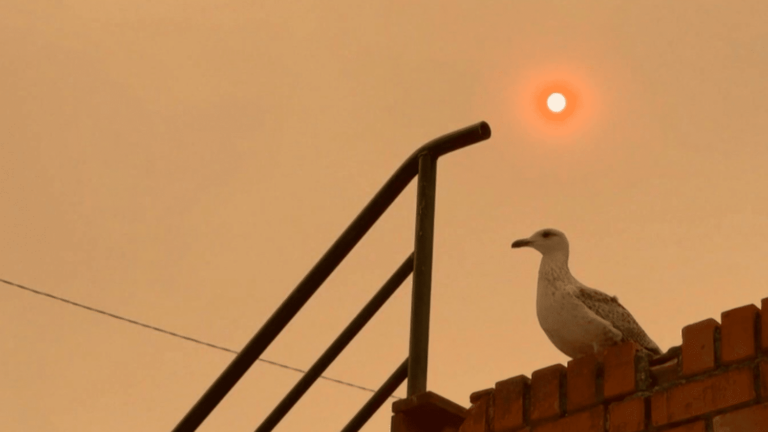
x=556, y=102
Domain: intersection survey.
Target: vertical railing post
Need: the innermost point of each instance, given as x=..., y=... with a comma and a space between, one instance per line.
x=422, y=275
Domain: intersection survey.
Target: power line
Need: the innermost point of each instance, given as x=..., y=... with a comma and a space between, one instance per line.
x=158, y=329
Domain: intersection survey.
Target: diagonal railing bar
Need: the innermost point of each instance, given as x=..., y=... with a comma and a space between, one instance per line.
x=338, y=345
x=378, y=398
x=325, y=266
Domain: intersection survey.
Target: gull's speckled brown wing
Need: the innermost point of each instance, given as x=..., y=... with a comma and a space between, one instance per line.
x=608, y=308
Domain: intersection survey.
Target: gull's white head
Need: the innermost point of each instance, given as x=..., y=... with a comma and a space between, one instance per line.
x=548, y=241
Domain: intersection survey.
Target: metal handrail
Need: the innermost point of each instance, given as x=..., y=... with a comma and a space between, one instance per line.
x=338, y=345
x=424, y=159
x=378, y=398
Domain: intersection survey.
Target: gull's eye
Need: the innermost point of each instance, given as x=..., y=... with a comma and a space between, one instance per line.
x=547, y=234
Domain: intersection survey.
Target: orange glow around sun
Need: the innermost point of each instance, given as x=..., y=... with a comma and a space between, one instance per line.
x=529, y=94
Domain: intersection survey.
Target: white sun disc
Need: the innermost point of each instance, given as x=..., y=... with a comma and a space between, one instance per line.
x=556, y=102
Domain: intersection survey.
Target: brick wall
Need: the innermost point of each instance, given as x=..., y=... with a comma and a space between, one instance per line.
x=717, y=381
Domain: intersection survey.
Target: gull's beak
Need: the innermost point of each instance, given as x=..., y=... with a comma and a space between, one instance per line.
x=521, y=243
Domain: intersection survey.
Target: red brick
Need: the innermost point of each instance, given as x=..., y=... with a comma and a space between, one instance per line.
x=403, y=423
x=400, y=423
x=545, y=392
x=620, y=373
x=764, y=321
x=480, y=394
x=764, y=379
x=699, y=347
x=592, y=420
x=627, y=415
x=477, y=419
x=754, y=418
x=427, y=412
x=509, y=403
x=737, y=334
x=659, y=412
x=699, y=397
x=666, y=373
x=698, y=426
x=581, y=383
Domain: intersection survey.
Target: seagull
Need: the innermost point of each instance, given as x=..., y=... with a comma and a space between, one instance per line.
x=577, y=319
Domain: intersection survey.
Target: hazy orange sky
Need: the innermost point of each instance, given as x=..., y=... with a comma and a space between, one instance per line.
x=184, y=164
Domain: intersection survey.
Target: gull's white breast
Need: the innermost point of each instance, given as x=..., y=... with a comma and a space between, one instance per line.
x=568, y=323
